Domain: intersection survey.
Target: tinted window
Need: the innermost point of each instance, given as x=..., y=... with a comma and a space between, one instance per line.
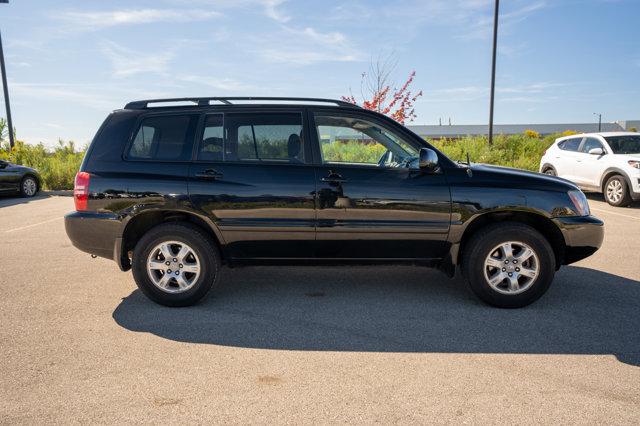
x=165, y=137
x=624, y=144
x=263, y=137
x=589, y=144
x=358, y=141
x=570, y=144
x=211, y=147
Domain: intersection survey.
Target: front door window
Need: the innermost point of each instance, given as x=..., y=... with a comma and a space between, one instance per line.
x=347, y=140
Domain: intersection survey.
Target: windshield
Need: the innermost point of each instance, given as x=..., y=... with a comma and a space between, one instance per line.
x=628, y=144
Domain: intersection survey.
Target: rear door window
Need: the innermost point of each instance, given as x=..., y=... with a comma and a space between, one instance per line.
x=254, y=137
x=164, y=138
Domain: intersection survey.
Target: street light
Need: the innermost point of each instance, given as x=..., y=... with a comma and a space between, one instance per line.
x=6, y=90
x=599, y=121
x=493, y=70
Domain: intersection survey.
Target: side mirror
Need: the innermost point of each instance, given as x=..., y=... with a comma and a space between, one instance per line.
x=596, y=151
x=428, y=160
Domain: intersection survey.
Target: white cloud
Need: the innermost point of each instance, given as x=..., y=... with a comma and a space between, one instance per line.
x=514, y=93
x=104, y=19
x=272, y=11
x=482, y=26
x=126, y=62
x=223, y=84
x=331, y=38
x=63, y=94
x=270, y=8
x=308, y=46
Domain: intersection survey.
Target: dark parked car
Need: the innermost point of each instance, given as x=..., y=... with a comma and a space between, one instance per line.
x=15, y=179
x=174, y=191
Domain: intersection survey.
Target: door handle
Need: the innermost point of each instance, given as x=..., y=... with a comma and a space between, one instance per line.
x=209, y=174
x=331, y=179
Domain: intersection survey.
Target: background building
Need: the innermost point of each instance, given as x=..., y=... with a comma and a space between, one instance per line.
x=455, y=131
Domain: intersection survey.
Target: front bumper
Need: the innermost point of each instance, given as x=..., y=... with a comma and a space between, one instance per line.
x=95, y=233
x=583, y=236
x=635, y=187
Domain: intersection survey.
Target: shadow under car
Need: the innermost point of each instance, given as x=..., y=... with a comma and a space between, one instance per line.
x=397, y=309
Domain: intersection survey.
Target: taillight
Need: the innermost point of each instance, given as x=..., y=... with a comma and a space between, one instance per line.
x=81, y=190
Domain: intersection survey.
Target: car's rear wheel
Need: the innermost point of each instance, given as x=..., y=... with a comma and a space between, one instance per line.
x=616, y=191
x=175, y=264
x=508, y=265
x=28, y=186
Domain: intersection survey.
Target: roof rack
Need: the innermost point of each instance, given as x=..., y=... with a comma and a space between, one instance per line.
x=227, y=101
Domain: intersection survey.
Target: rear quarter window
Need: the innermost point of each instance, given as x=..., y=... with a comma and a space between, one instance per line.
x=163, y=138
x=570, y=144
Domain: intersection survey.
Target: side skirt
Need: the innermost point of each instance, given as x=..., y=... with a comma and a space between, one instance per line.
x=237, y=262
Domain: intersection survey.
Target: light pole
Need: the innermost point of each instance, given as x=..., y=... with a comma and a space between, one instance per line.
x=493, y=70
x=6, y=90
x=599, y=121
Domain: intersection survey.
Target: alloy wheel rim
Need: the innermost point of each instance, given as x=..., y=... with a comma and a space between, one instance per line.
x=614, y=190
x=29, y=186
x=511, y=267
x=173, y=266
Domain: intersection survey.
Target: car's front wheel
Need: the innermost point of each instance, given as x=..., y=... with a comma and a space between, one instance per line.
x=28, y=186
x=508, y=265
x=175, y=264
x=616, y=191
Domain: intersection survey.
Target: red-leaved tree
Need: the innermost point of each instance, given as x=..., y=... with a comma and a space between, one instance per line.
x=378, y=94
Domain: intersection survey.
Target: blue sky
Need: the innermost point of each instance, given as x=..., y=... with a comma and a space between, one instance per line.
x=71, y=62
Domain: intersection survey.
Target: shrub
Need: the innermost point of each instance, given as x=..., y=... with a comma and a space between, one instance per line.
x=633, y=129
x=569, y=133
x=519, y=151
x=57, y=166
x=531, y=133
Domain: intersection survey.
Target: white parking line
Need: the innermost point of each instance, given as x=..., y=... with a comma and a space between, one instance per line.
x=32, y=225
x=614, y=213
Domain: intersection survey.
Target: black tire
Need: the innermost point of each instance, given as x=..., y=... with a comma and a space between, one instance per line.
x=29, y=186
x=609, y=197
x=550, y=171
x=201, y=244
x=479, y=248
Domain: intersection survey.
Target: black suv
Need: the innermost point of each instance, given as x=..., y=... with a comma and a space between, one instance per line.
x=176, y=188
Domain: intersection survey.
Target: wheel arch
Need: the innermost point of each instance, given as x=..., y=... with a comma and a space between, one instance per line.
x=539, y=222
x=141, y=223
x=612, y=171
x=547, y=166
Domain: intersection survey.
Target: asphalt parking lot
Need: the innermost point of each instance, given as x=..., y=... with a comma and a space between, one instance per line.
x=79, y=343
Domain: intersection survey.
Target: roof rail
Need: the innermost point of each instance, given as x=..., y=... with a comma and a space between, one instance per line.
x=227, y=101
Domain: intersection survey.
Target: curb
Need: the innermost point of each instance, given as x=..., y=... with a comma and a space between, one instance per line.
x=59, y=193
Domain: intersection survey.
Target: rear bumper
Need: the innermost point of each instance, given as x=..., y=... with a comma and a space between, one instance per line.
x=582, y=236
x=95, y=233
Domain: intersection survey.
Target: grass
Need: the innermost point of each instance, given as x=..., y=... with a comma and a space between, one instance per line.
x=57, y=166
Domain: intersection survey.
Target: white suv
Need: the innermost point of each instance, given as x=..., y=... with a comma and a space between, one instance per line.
x=598, y=162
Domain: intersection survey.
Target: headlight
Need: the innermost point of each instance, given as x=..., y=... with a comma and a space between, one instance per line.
x=634, y=163
x=579, y=201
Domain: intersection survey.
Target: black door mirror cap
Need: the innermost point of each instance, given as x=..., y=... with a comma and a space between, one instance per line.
x=428, y=160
